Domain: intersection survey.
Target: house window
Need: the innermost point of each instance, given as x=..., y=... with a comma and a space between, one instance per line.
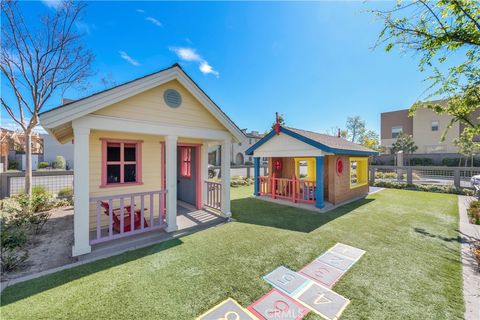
x=358, y=172
x=396, y=131
x=121, y=163
x=186, y=162
x=434, y=125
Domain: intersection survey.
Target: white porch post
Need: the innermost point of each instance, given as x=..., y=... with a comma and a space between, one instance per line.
x=204, y=171
x=81, y=182
x=171, y=181
x=226, y=159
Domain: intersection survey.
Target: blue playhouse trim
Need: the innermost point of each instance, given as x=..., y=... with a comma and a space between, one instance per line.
x=308, y=141
x=293, y=293
x=256, y=176
x=250, y=150
x=319, y=196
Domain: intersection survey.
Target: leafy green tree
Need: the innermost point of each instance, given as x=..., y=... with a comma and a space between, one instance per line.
x=438, y=31
x=371, y=140
x=356, y=129
x=467, y=147
x=404, y=143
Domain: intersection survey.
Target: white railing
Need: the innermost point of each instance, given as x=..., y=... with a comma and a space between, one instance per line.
x=214, y=195
x=123, y=215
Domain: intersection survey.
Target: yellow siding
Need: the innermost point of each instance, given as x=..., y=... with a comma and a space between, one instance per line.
x=150, y=106
x=151, y=169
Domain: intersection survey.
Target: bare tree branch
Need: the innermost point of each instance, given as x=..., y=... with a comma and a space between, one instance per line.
x=39, y=62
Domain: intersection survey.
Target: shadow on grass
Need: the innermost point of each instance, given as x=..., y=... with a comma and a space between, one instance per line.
x=263, y=213
x=29, y=288
x=425, y=233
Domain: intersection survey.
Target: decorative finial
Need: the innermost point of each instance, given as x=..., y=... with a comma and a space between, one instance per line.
x=277, y=124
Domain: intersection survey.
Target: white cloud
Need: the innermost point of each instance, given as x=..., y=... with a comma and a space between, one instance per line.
x=190, y=54
x=140, y=11
x=154, y=21
x=205, y=68
x=129, y=59
x=55, y=4
x=187, y=54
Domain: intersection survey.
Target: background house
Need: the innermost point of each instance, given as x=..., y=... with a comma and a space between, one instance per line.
x=238, y=155
x=52, y=149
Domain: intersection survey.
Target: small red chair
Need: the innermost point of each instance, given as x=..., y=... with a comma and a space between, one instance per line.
x=126, y=218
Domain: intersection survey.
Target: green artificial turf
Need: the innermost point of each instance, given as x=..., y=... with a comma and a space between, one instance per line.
x=411, y=269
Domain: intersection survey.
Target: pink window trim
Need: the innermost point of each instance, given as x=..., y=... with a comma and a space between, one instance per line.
x=122, y=163
x=186, y=162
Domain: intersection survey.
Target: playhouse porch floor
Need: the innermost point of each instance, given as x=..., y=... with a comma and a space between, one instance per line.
x=308, y=206
x=189, y=219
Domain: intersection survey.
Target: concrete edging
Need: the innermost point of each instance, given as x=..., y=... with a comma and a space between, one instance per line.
x=470, y=270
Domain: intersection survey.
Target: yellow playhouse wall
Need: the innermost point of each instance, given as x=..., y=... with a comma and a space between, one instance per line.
x=150, y=106
x=151, y=169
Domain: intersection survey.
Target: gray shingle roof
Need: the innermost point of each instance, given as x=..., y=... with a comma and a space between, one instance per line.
x=331, y=141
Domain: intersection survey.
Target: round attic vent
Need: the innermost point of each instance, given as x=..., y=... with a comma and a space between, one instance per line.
x=172, y=98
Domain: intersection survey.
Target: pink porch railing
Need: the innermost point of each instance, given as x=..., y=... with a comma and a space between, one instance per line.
x=214, y=195
x=295, y=190
x=123, y=215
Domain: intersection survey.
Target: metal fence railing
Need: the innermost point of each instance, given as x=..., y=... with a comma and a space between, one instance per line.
x=453, y=176
x=53, y=181
x=242, y=170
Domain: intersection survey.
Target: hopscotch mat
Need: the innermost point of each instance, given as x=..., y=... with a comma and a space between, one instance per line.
x=277, y=305
x=295, y=294
x=227, y=310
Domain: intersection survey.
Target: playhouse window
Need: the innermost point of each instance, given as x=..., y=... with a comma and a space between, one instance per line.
x=358, y=172
x=305, y=168
x=186, y=162
x=120, y=162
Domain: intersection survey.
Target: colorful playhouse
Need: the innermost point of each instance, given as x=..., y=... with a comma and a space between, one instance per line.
x=314, y=169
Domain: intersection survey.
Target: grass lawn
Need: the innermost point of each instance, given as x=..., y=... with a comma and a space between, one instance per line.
x=411, y=269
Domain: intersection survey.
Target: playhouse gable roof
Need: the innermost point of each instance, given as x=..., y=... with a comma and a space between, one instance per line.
x=324, y=142
x=58, y=121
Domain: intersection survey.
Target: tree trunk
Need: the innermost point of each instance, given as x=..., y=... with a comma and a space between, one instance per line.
x=28, y=163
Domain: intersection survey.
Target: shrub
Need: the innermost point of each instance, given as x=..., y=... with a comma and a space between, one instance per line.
x=32, y=213
x=43, y=165
x=59, y=163
x=238, y=181
x=450, y=162
x=66, y=194
x=474, y=212
x=423, y=187
x=475, y=247
x=13, y=165
x=421, y=162
x=248, y=163
x=13, y=239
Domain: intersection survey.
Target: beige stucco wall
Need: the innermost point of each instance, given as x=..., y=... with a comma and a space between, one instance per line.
x=150, y=106
x=428, y=141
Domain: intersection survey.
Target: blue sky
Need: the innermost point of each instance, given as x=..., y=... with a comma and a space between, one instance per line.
x=312, y=61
